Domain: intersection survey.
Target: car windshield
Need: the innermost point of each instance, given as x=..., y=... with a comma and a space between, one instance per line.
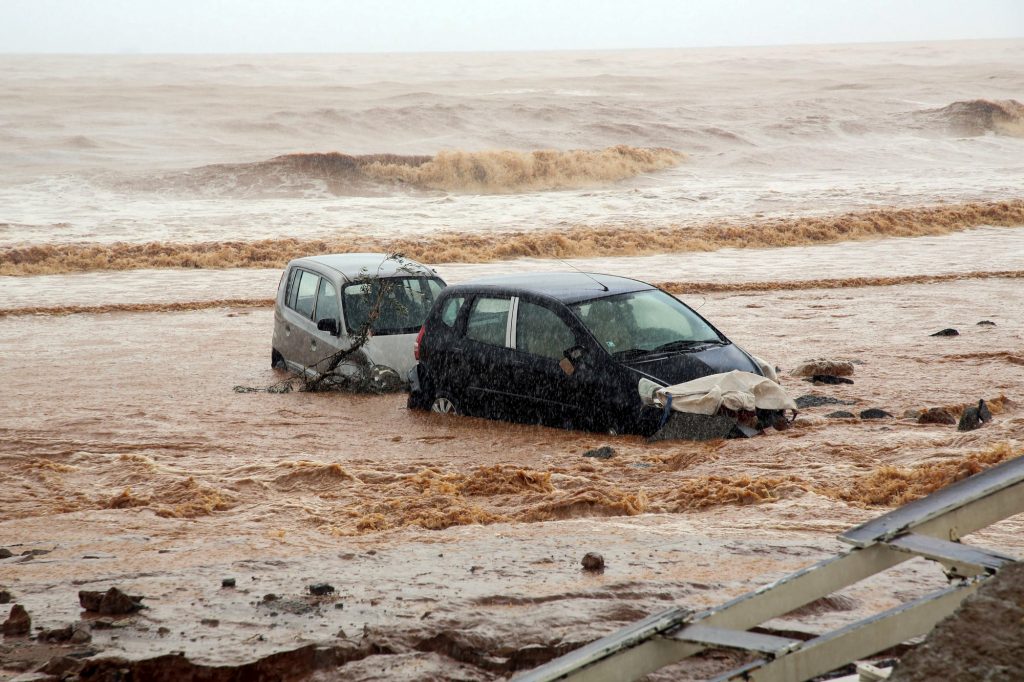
x=404, y=303
x=644, y=322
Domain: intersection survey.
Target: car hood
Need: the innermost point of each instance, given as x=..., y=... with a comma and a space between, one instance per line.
x=680, y=367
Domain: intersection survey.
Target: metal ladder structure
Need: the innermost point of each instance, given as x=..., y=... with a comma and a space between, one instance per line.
x=930, y=527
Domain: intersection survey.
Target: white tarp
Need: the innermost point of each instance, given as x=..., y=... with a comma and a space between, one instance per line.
x=736, y=390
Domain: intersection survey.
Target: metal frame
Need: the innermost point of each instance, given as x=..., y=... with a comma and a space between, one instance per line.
x=929, y=527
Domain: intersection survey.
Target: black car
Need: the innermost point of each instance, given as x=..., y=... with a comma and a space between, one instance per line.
x=563, y=349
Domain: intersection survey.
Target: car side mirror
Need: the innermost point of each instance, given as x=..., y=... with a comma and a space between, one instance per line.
x=328, y=324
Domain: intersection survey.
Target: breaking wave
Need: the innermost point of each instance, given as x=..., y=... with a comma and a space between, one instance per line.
x=570, y=242
x=980, y=116
x=487, y=172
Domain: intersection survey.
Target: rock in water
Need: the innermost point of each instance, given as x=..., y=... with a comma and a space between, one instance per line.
x=603, y=452
x=827, y=379
x=936, y=415
x=874, y=413
x=18, y=623
x=823, y=367
x=592, y=561
x=946, y=332
x=986, y=323
x=320, y=589
x=974, y=417
x=113, y=602
x=840, y=414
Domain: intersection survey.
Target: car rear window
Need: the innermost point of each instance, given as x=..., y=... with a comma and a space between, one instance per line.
x=404, y=303
x=488, y=320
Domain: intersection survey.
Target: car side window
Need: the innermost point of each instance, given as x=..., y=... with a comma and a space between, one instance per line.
x=450, y=311
x=305, y=294
x=326, y=301
x=488, y=320
x=540, y=331
x=293, y=287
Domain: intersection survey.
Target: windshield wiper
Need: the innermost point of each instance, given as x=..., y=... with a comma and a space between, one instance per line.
x=681, y=344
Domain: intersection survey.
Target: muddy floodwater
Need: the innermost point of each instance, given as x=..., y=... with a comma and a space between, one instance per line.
x=454, y=543
x=840, y=202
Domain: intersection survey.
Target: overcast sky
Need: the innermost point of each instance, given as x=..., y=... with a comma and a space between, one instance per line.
x=113, y=26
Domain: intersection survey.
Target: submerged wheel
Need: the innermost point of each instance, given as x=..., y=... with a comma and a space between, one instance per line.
x=277, y=360
x=443, y=404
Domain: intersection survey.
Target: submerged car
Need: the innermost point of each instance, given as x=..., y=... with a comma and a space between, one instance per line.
x=564, y=349
x=327, y=304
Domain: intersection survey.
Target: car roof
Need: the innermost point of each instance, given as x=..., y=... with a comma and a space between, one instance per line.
x=567, y=287
x=356, y=265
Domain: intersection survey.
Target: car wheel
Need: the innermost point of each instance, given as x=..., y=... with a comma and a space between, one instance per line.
x=277, y=360
x=444, y=404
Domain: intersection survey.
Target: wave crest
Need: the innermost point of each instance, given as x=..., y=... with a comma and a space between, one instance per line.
x=485, y=172
x=980, y=116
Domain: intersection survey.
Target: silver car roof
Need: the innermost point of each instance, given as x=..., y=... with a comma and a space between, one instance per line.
x=355, y=265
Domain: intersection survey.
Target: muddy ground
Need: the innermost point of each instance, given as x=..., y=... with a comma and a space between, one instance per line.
x=453, y=544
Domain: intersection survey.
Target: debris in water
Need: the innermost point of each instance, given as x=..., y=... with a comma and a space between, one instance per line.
x=986, y=323
x=946, y=332
x=841, y=414
x=227, y=582
x=5, y=553
x=603, y=452
x=592, y=561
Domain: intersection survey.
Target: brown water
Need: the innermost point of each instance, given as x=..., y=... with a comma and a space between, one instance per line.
x=812, y=202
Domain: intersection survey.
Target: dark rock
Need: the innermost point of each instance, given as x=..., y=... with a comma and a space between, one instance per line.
x=227, y=582
x=603, y=452
x=811, y=400
x=986, y=323
x=974, y=417
x=874, y=413
x=18, y=623
x=5, y=597
x=936, y=415
x=269, y=597
x=592, y=561
x=113, y=602
x=5, y=553
x=828, y=379
x=946, y=332
x=320, y=589
x=55, y=635
x=339, y=605
x=841, y=414
x=210, y=622
x=81, y=633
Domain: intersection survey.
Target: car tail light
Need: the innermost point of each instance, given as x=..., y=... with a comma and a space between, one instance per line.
x=416, y=346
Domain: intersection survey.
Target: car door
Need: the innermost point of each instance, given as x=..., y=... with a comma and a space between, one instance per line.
x=323, y=343
x=484, y=357
x=546, y=384
x=297, y=314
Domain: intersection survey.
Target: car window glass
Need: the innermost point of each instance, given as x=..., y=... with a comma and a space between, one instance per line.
x=450, y=311
x=643, y=321
x=326, y=302
x=306, y=294
x=488, y=320
x=540, y=331
x=403, y=303
x=293, y=287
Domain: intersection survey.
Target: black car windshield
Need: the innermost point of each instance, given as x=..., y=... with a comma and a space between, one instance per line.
x=644, y=322
x=404, y=303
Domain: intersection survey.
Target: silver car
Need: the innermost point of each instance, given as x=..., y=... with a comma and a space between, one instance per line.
x=327, y=304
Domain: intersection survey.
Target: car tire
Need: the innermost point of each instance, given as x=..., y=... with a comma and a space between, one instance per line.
x=443, y=403
x=419, y=400
x=277, y=360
